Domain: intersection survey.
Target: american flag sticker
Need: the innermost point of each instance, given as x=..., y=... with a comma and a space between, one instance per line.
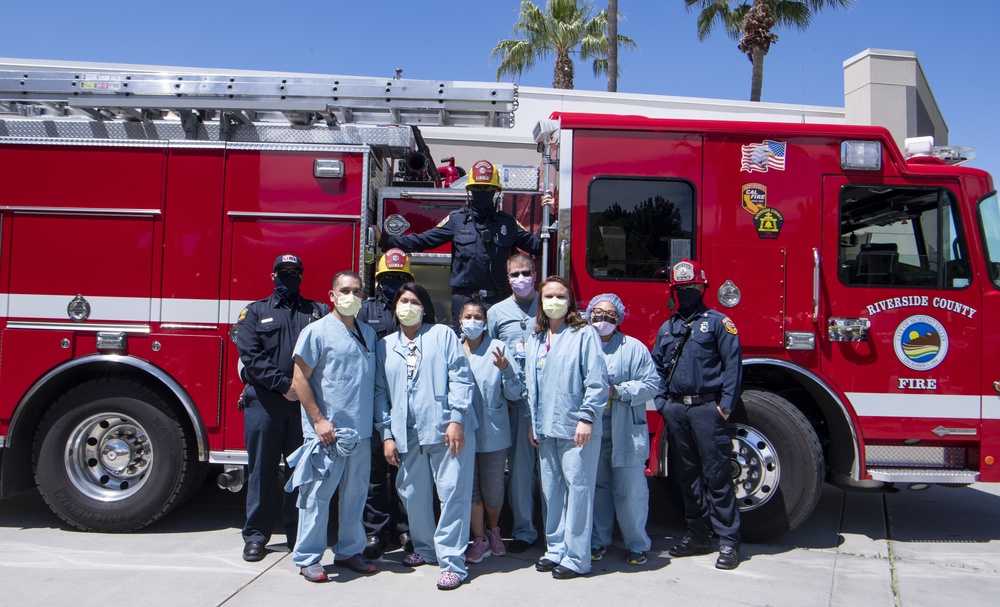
x=763, y=156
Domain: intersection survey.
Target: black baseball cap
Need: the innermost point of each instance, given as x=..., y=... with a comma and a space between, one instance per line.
x=287, y=261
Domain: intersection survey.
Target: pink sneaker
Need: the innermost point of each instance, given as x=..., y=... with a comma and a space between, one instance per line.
x=477, y=551
x=495, y=541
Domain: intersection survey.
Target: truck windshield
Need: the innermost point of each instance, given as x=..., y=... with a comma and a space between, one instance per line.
x=989, y=224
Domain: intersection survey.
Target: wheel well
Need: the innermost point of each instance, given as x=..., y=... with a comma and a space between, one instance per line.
x=17, y=474
x=827, y=415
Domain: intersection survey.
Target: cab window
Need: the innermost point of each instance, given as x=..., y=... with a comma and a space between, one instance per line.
x=989, y=225
x=901, y=237
x=638, y=227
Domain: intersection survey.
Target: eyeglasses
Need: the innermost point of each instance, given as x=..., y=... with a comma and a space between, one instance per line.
x=289, y=272
x=525, y=273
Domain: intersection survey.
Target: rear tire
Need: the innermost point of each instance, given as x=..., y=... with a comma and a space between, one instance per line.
x=111, y=456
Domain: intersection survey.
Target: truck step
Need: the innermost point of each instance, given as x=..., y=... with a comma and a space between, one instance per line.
x=924, y=475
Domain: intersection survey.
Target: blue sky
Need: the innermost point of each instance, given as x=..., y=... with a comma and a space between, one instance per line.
x=452, y=39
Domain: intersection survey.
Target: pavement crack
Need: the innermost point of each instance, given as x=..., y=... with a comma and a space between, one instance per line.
x=897, y=598
x=254, y=579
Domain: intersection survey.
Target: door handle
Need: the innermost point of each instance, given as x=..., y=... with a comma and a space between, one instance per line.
x=815, y=315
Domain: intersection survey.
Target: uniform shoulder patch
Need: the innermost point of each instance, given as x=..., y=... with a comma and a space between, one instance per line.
x=520, y=226
x=444, y=221
x=243, y=315
x=728, y=324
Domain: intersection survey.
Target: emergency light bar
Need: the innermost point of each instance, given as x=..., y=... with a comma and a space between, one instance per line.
x=949, y=154
x=861, y=155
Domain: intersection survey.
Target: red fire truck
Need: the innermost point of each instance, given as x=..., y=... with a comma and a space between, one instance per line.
x=141, y=211
x=858, y=278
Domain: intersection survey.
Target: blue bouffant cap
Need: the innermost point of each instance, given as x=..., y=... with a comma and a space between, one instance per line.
x=610, y=298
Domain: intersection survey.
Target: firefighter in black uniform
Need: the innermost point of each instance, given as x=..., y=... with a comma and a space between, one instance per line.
x=265, y=337
x=697, y=353
x=481, y=238
x=385, y=517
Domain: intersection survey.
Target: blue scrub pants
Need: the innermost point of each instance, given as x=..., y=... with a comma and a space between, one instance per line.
x=621, y=492
x=522, y=464
x=701, y=442
x=568, y=474
x=424, y=469
x=272, y=430
x=351, y=475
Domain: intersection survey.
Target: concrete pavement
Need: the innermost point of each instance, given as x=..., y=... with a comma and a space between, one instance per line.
x=933, y=547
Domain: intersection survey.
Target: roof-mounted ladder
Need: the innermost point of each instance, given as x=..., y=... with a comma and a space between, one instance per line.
x=145, y=93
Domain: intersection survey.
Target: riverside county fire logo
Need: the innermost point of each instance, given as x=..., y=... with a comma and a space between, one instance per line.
x=921, y=342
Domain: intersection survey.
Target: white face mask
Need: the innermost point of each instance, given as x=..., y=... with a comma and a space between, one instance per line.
x=473, y=328
x=348, y=305
x=555, y=307
x=409, y=314
x=604, y=328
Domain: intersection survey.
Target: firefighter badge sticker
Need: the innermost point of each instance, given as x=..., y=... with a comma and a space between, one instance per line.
x=920, y=342
x=754, y=197
x=768, y=222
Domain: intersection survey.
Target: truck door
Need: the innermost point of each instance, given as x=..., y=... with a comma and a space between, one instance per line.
x=903, y=319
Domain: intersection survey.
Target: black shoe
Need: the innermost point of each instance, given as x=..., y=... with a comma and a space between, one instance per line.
x=357, y=563
x=253, y=551
x=518, y=546
x=374, y=548
x=690, y=547
x=564, y=573
x=405, y=541
x=545, y=565
x=729, y=558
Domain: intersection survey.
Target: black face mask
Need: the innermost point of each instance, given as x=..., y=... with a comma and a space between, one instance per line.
x=391, y=284
x=689, y=300
x=287, y=286
x=483, y=203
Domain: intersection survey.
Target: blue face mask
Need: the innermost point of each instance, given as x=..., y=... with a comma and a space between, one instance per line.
x=473, y=328
x=390, y=285
x=287, y=286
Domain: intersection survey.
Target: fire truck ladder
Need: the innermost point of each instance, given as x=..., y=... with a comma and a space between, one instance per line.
x=146, y=93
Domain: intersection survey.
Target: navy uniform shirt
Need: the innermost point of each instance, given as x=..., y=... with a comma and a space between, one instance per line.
x=266, y=337
x=376, y=314
x=477, y=262
x=710, y=362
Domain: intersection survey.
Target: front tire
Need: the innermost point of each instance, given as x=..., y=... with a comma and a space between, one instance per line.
x=777, y=466
x=111, y=456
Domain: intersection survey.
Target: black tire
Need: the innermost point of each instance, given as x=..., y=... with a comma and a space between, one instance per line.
x=111, y=456
x=779, y=444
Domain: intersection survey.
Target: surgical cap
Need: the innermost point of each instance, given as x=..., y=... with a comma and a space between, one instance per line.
x=610, y=298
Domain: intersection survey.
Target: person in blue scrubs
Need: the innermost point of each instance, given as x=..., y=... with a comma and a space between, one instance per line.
x=622, y=488
x=334, y=375
x=423, y=404
x=567, y=391
x=496, y=381
x=513, y=322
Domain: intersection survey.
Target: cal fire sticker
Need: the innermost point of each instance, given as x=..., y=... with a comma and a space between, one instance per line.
x=768, y=222
x=762, y=157
x=754, y=197
x=921, y=342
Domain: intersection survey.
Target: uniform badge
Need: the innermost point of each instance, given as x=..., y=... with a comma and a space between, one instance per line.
x=316, y=314
x=243, y=315
x=704, y=326
x=730, y=327
x=503, y=230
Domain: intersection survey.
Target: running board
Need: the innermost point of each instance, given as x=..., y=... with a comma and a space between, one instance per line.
x=924, y=475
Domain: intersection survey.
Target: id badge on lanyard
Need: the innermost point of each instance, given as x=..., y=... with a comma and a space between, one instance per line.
x=412, y=358
x=540, y=363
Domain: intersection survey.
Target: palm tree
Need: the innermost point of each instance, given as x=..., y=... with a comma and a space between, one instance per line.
x=612, y=46
x=565, y=28
x=751, y=24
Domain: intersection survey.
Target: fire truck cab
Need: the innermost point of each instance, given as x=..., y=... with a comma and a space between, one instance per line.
x=859, y=281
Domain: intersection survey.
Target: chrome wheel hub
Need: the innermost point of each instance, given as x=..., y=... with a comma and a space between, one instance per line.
x=755, y=467
x=108, y=457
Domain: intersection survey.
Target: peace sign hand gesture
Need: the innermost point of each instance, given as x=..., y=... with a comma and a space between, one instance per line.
x=499, y=360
